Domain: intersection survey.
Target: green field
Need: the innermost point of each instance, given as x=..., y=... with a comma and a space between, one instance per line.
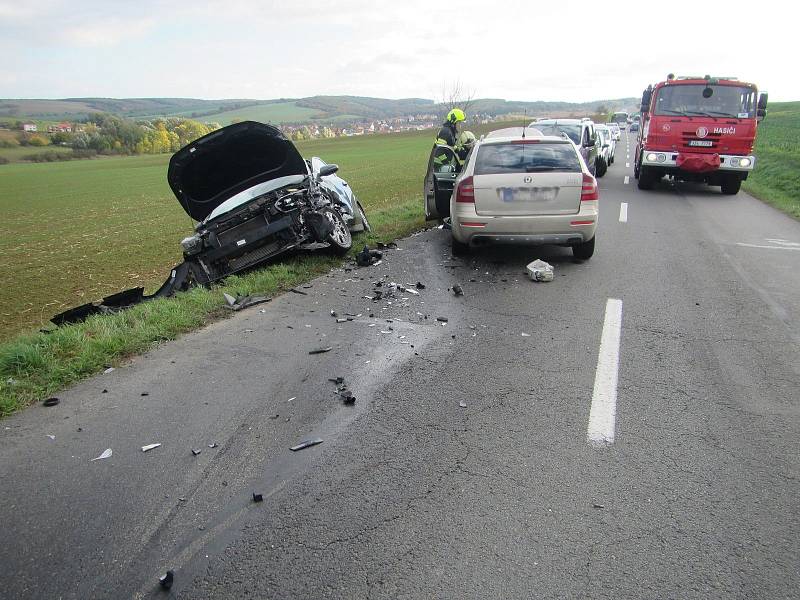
x=776, y=178
x=276, y=113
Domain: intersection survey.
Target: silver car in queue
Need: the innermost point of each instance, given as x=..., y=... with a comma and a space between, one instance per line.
x=521, y=187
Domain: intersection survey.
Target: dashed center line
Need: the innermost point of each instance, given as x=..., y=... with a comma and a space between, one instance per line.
x=767, y=247
x=623, y=212
x=627, y=165
x=627, y=179
x=603, y=414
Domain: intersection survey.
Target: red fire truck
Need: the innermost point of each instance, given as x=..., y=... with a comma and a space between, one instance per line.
x=698, y=129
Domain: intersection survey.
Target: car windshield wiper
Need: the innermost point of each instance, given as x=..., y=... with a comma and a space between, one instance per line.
x=675, y=112
x=718, y=113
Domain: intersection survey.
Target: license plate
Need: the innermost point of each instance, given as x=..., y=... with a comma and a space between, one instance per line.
x=704, y=143
x=526, y=194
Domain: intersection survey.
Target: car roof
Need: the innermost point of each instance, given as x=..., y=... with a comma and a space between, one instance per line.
x=513, y=132
x=518, y=137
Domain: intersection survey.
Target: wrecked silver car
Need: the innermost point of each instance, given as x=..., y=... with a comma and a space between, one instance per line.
x=254, y=198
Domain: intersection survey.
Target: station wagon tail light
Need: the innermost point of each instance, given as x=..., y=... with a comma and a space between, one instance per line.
x=589, y=190
x=466, y=191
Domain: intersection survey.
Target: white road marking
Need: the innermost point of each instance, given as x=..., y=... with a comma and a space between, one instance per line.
x=627, y=179
x=767, y=247
x=603, y=414
x=623, y=212
x=627, y=165
x=782, y=242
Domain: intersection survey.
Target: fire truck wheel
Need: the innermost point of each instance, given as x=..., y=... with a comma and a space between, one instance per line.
x=647, y=179
x=731, y=185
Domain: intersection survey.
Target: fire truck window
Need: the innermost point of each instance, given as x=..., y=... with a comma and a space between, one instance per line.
x=688, y=100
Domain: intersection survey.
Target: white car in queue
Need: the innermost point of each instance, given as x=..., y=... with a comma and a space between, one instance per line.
x=519, y=186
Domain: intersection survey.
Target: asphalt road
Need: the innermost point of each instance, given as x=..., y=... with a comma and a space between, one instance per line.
x=630, y=430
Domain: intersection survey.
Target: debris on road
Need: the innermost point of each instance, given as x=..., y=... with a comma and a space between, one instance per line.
x=196, y=451
x=442, y=319
x=167, y=579
x=241, y=302
x=321, y=350
x=106, y=454
x=457, y=290
x=462, y=404
x=52, y=437
x=526, y=334
x=539, y=270
x=258, y=497
x=336, y=380
x=149, y=447
x=595, y=505
x=51, y=402
x=108, y=370
x=367, y=257
x=296, y=291
x=306, y=444
x=212, y=445
x=420, y=285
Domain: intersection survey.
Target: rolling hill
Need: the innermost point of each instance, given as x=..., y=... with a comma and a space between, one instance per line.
x=283, y=110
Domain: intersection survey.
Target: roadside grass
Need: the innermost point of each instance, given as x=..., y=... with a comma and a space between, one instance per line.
x=81, y=230
x=776, y=178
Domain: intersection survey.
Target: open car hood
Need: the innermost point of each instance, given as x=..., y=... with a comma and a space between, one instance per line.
x=227, y=161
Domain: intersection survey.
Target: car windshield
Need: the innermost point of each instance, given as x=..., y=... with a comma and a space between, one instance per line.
x=516, y=157
x=573, y=131
x=689, y=100
x=620, y=117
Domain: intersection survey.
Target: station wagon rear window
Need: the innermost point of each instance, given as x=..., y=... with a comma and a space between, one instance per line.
x=496, y=159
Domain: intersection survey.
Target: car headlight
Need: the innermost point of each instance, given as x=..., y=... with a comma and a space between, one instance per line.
x=661, y=157
x=652, y=157
x=192, y=244
x=744, y=162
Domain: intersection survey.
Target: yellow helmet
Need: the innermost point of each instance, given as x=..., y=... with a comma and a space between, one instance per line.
x=456, y=115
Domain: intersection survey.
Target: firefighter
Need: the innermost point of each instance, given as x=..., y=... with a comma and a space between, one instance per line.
x=447, y=136
x=449, y=131
x=466, y=140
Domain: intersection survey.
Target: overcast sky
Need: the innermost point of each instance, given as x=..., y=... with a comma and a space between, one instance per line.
x=564, y=50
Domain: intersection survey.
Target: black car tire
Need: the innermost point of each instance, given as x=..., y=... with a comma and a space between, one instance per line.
x=731, y=184
x=585, y=250
x=601, y=167
x=458, y=248
x=340, y=240
x=647, y=179
x=366, y=227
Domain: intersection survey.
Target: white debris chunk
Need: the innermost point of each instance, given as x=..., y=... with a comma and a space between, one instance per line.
x=539, y=270
x=104, y=455
x=149, y=447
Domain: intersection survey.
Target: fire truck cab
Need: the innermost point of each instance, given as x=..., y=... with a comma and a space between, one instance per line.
x=698, y=129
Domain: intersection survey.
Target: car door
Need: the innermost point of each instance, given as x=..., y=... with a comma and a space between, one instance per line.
x=589, y=148
x=440, y=177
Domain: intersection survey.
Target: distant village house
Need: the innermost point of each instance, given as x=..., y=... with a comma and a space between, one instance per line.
x=60, y=128
x=28, y=127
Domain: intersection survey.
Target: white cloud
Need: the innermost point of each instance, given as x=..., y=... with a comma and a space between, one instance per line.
x=568, y=50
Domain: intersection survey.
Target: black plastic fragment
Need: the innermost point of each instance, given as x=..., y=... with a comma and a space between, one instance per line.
x=457, y=290
x=258, y=497
x=442, y=319
x=296, y=291
x=196, y=451
x=166, y=580
x=336, y=380
x=51, y=402
x=420, y=285
x=321, y=350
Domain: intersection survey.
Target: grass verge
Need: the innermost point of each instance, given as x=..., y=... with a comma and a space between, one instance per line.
x=776, y=178
x=34, y=366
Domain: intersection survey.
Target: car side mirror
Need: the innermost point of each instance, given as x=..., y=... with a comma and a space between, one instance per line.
x=328, y=170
